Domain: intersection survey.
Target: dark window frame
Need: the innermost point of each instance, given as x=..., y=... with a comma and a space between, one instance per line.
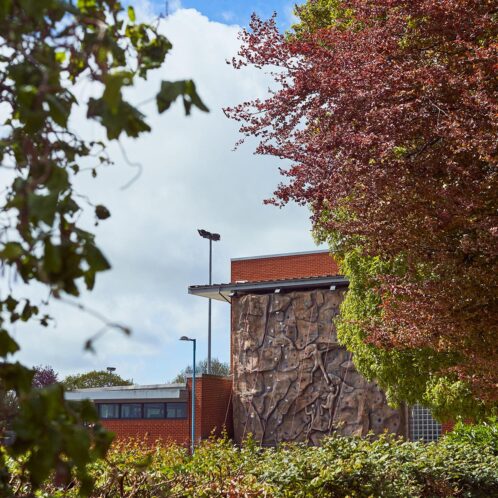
x=99, y=411
x=184, y=403
x=165, y=404
x=141, y=405
x=155, y=404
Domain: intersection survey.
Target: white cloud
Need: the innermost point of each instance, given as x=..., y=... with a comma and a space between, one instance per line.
x=191, y=179
x=228, y=15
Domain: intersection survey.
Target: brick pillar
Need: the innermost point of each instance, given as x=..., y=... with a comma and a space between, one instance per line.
x=213, y=405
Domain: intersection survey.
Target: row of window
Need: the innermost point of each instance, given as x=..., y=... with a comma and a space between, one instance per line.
x=142, y=410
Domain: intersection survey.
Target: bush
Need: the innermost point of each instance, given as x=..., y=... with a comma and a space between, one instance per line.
x=463, y=464
x=484, y=434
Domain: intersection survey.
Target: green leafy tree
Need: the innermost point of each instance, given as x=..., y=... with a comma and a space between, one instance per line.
x=47, y=47
x=217, y=368
x=95, y=378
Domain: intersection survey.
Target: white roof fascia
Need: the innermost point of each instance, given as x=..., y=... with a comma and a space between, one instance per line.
x=127, y=393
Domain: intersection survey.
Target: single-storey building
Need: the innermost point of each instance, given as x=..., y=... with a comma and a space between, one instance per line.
x=162, y=411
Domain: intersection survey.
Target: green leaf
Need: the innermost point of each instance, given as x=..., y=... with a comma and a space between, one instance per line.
x=52, y=260
x=168, y=94
x=7, y=344
x=5, y=6
x=194, y=96
x=102, y=212
x=15, y=376
x=125, y=118
x=43, y=207
x=11, y=251
x=11, y=303
x=95, y=258
x=131, y=14
x=113, y=84
x=170, y=91
x=60, y=56
x=59, y=109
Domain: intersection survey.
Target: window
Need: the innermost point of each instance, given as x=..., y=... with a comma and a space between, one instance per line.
x=131, y=410
x=154, y=410
x=176, y=410
x=422, y=426
x=142, y=410
x=108, y=410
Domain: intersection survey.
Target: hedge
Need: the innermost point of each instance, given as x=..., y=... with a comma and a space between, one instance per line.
x=462, y=464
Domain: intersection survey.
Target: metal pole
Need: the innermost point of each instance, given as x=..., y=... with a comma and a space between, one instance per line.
x=193, y=400
x=209, y=305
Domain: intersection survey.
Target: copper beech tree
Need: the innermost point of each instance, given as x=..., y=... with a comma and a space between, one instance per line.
x=386, y=111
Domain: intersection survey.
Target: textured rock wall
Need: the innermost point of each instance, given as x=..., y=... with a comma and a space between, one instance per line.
x=292, y=380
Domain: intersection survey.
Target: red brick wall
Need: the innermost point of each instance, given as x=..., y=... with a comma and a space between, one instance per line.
x=447, y=426
x=216, y=406
x=213, y=411
x=283, y=267
x=165, y=430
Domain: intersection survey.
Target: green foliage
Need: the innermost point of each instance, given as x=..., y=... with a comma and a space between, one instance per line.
x=320, y=14
x=217, y=368
x=342, y=466
x=407, y=375
x=95, y=378
x=50, y=434
x=49, y=46
x=483, y=435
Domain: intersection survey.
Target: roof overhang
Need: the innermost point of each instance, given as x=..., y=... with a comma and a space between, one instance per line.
x=151, y=392
x=224, y=292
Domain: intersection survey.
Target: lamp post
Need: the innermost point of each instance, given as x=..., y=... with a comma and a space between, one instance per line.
x=210, y=236
x=192, y=410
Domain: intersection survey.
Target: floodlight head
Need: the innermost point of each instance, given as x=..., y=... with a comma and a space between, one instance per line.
x=184, y=338
x=111, y=369
x=208, y=235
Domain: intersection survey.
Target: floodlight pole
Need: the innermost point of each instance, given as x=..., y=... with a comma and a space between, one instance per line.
x=209, y=306
x=210, y=236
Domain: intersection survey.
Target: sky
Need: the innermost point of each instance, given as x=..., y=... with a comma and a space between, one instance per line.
x=191, y=178
x=233, y=11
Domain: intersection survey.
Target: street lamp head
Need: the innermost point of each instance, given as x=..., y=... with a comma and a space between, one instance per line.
x=185, y=338
x=208, y=235
x=111, y=369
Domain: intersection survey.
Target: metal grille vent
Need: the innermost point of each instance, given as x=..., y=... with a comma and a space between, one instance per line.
x=423, y=427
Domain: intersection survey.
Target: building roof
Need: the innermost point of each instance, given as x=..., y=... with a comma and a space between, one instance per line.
x=224, y=292
x=136, y=392
x=281, y=255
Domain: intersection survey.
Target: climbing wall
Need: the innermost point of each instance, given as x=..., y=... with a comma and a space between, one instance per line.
x=292, y=380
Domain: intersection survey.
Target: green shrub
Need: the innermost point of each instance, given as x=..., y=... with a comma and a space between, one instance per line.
x=484, y=435
x=463, y=464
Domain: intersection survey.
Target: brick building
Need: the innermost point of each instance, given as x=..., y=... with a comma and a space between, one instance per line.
x=292, y=380
x=162, y=411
